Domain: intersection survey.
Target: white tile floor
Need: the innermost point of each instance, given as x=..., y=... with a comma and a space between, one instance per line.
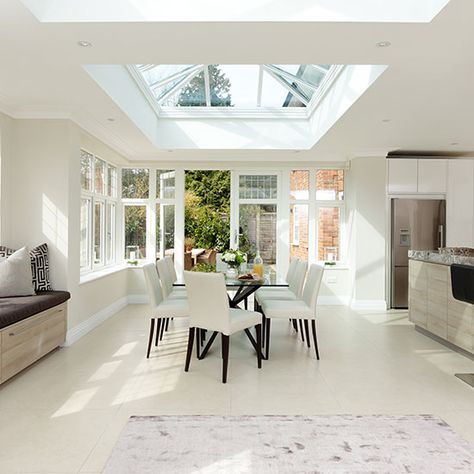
x=64, y=414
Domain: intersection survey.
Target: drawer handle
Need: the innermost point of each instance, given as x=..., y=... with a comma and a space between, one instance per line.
x=12, y=334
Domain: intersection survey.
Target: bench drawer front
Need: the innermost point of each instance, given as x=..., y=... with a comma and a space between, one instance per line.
x=29, y=340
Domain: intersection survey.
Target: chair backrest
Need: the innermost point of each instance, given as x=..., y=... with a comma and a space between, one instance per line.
x=297, y=279
x=291, y=269
x=208, y=301
x=153, y=284
x=312, y=285
x=165, y=277
x=172, y=270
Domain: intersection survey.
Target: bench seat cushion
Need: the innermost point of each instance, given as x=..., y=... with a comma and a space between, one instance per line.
x=18, y=308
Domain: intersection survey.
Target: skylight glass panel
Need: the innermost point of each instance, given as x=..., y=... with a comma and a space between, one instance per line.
x=244, y=86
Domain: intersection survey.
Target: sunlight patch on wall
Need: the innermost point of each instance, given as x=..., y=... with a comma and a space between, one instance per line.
x=55, y=225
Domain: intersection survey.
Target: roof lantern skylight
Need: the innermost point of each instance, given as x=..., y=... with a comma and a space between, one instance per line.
x=251, y=86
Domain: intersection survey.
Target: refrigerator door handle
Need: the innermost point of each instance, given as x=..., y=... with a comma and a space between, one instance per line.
x=441, y=236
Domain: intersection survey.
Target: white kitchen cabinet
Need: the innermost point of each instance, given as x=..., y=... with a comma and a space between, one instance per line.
x=460, y=204
x=432, y=176
x=402, y=176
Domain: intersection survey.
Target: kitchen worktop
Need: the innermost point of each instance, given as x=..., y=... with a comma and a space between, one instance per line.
x=432, y=256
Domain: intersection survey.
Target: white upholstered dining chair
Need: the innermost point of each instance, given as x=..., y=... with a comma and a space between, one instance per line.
x=162, y=309
x=209, y=309
x=167, y=278
x=303, y=308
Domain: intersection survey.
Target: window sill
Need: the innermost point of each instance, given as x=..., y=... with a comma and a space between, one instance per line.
x=95, y=275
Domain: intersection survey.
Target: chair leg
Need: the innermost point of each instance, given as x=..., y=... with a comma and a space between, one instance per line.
x=225, y=357
x=158, y=328
x=167, y=324
x=190, y=349
x=267, y=338
x=306, y=330
x=162, y=331
x=315, y=338
x=264, y=323
x=258, y=329
x=295, y=324
x=150, y=337
x=301, y=330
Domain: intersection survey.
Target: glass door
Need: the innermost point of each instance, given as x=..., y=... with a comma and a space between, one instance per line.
x=255, y=214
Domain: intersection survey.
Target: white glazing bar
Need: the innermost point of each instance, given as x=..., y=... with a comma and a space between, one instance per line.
x=207, y=85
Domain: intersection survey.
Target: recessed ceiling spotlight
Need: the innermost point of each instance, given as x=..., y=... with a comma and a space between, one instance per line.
x=169, y=151
x=111, y=119
x=297, y=151
x=386, y=120
x=84, y=44
x=383, y=44
x=454, y=143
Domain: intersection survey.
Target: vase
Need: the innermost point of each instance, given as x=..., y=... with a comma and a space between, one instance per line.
x=232, y=273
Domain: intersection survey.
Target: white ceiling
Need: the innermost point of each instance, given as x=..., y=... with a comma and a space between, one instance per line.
x=426, y=93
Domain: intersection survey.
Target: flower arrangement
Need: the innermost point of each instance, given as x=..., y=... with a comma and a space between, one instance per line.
x=234, y=258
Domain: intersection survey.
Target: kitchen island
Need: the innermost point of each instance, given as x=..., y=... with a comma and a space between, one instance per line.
x=432, y=307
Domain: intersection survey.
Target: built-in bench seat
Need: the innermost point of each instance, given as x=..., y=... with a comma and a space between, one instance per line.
x=30, y=327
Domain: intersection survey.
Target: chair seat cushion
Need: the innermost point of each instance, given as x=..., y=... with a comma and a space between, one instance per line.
x=296, y=309
x=178, y=293
x=241, y=319
x=172, y=308
x=275, y=294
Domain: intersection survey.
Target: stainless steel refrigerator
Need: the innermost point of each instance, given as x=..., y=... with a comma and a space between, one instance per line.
x=417, y=224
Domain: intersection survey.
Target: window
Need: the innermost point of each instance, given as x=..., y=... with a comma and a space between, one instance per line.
x=330, y=185
x=299, y=185
x=98, y=214
x=135, y=217
x=330, y=209
x=165, y=184
x=258, y=186
x=135, y=183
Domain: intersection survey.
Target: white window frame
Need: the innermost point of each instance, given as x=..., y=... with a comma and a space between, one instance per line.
x=151, y=203
x=94, y=197
x=295, y=240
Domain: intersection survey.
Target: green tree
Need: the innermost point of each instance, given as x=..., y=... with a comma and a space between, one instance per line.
x=194, y=93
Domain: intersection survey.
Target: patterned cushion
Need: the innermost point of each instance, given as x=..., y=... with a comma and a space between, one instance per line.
x=6, y=252
x=39, y=265
x=40, y=268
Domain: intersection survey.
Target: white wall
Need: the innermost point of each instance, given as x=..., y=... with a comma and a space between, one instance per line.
x=366, y=231
x=40, y=202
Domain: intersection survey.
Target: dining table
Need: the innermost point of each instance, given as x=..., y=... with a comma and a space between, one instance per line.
x=241, y=289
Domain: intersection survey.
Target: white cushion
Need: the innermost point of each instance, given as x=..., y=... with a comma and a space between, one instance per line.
x=241, y=319
x=296, y=309
x=275, y=294
x=15, y=275
x=174, y=308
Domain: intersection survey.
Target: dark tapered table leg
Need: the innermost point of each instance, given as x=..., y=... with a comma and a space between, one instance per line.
x=315, y=338
x=258, y=329
x=225, y=357
x=198, y=342
x=295, y=324
x=190, y=349
x=209, y=344
x=267, y=338
x=306, y=330
x=150, y=337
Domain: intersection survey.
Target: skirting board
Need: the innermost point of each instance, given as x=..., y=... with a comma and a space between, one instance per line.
x=368, y=305
x=75, y=333
x=333, y=300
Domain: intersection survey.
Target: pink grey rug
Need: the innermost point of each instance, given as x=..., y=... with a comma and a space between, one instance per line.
x=290, y=444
